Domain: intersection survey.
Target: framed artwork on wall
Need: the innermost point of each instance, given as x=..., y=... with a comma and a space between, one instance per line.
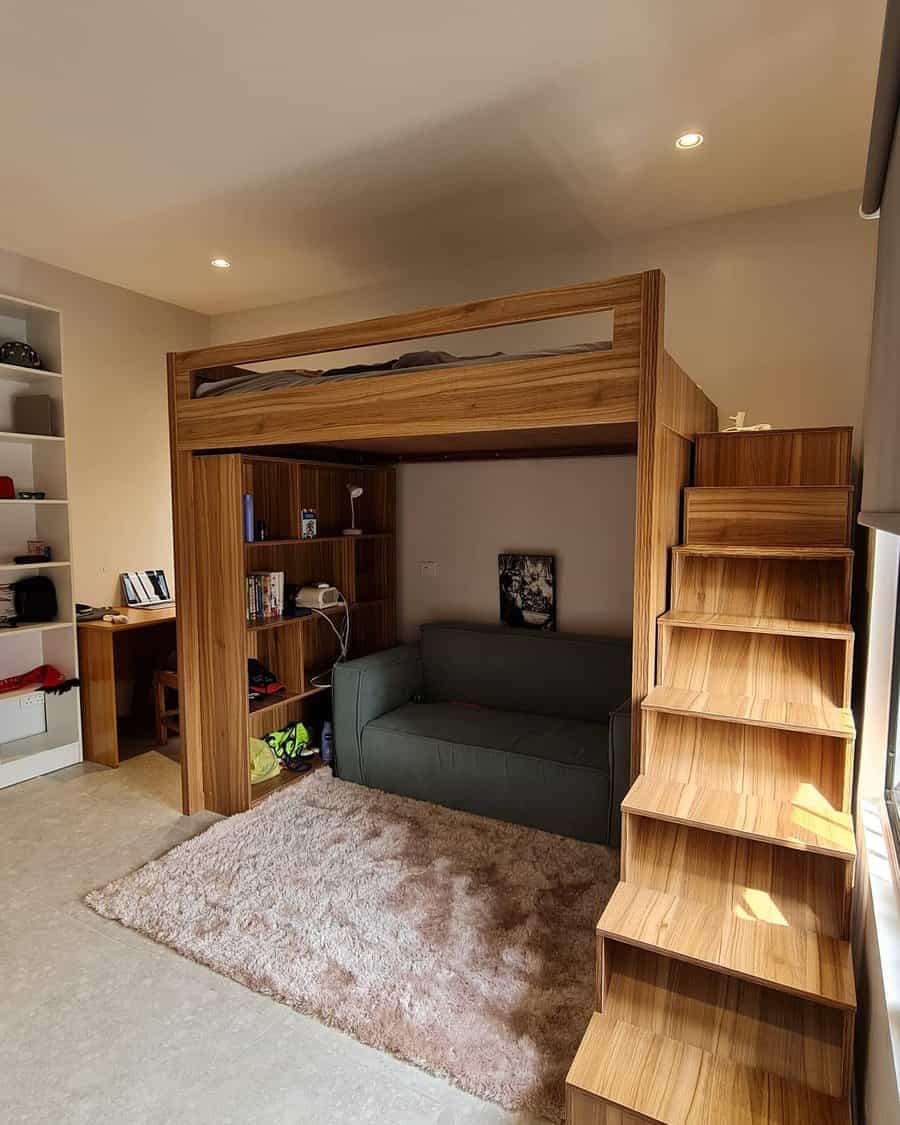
x=528, y=591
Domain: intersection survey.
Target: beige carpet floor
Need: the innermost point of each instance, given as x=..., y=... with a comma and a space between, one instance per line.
x=460, y=944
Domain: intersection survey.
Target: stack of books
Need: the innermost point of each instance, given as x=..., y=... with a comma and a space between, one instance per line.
x=265, y=595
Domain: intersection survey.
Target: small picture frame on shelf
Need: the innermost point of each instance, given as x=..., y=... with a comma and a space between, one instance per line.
x=309, y=523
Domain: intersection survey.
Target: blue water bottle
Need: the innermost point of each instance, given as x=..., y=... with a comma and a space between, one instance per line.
x=327, y=742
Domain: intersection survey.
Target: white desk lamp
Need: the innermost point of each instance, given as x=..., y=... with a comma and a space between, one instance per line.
x=355, y=491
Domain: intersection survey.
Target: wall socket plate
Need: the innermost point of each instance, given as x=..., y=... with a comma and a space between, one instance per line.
x=428, y=569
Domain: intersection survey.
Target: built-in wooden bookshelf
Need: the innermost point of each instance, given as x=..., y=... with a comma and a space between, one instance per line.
x=298, y=650
x=37, y=462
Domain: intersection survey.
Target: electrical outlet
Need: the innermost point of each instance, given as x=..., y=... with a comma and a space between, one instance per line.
x=428, y=569
x=33, y=699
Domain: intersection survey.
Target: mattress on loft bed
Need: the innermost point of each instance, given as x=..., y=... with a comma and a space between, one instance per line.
x=409, y=362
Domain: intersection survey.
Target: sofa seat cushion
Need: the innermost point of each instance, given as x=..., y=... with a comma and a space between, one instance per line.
x=548, y=773
x=569, y=741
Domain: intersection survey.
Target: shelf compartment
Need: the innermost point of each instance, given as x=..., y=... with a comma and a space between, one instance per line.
x=748, y=878
x=734, y=1020
x=375, y=567
x=796, y=961
x=60, y=744
x=34, y=324
x=307, y=561
x=274, y=486
x=771, y=764
x=263, y=789
x=811, y=671
x=797, y=584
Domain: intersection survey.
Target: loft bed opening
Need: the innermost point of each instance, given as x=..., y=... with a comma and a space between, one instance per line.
x=541, y=339
x=627, y=396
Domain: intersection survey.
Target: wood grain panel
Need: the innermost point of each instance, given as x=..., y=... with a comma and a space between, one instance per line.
x=776, y=517
x=734, y=1020
x=744, y=623
x=762, y=666
x=667, y=1082
x=222, y=632
x=795, y=961
x=671, y=410
x=569, y=390
x=795, y=589
x=683, y=406
x=96, y=668
x=775, y=457
x=274, y=485
x=622, y=293
x=748, y=878
x=188, y=640
x=771, y=764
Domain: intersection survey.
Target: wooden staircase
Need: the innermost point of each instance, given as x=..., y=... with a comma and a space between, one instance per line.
x=725, y=986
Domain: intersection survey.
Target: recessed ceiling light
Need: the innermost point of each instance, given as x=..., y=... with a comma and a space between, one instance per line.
x=689, y=140
x=220, y=263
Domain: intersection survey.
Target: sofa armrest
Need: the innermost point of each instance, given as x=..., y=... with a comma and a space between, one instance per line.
x=364, y=689
x=619, y=767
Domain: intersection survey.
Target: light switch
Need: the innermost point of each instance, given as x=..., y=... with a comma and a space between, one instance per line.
x=428, y=569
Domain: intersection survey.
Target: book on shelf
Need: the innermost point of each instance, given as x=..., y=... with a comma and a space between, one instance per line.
x=265, y=595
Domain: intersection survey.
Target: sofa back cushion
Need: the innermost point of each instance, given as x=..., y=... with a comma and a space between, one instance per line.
x=522, y=670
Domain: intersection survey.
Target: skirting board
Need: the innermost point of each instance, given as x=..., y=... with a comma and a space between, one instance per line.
x=14, y=770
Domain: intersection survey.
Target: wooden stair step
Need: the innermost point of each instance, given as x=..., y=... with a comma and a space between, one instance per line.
x=737, y=623
x=821, y=718
x=815, y=554
x=810, y=825
x=668, y=1082
x=776, y=516
x=783, y=957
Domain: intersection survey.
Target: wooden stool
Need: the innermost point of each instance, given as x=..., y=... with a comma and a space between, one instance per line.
x=166, y=720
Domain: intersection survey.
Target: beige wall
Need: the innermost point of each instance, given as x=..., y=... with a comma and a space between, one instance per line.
x=114, y=349
x=770, y=310
x=462, y=515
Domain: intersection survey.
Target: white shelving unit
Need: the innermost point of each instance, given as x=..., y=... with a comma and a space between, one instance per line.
x=37, y=462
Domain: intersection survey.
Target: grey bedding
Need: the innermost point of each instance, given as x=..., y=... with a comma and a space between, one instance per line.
x=408, y=363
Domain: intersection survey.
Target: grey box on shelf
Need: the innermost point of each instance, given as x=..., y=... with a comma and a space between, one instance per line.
x=33, y=414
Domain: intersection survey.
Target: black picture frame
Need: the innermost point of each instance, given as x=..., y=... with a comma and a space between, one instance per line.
x=527, y=591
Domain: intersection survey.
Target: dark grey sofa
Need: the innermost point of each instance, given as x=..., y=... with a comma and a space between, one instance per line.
x=523, y=726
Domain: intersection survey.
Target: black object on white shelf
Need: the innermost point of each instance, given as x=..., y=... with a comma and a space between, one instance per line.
x=19, y=354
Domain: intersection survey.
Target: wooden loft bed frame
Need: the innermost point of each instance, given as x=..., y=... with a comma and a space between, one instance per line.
x=632, y=396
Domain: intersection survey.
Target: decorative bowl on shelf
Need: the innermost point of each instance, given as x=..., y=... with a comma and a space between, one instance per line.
x=19, y=354
x=29, y=494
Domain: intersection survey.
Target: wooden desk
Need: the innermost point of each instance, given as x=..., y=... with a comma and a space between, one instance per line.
x=101, y=659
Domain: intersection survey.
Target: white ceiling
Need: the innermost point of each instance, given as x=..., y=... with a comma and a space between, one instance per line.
x=323, y=145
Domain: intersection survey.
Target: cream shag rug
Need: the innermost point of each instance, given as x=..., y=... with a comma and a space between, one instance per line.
x=461, y=944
